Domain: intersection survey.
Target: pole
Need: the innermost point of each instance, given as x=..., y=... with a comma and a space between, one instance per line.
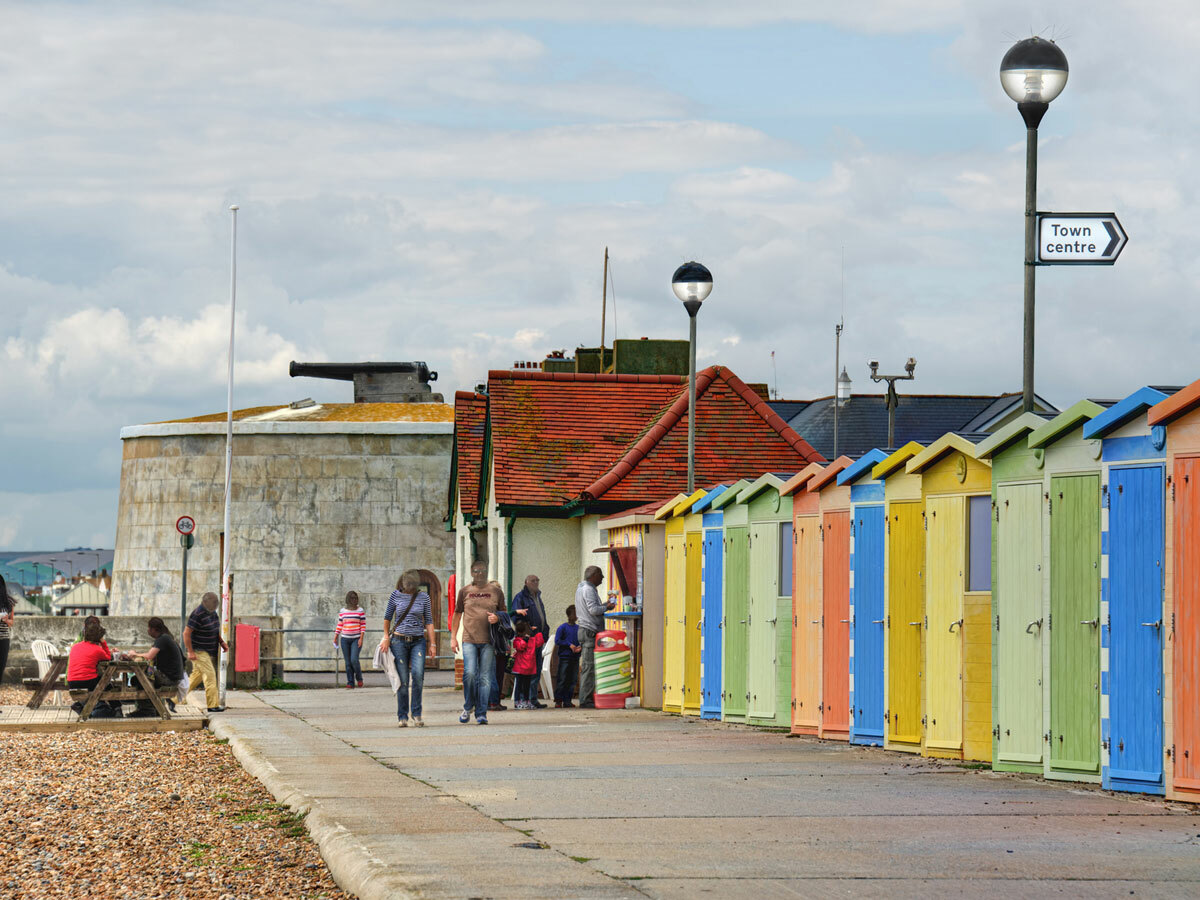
x=837, y=400
x=603, y=308
x=1031, y=137
x=221, y=673
x=183, y=596
x=891, y=405
x=692, y=398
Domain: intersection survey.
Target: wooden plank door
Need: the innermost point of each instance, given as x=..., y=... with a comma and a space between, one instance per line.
x=734, y=666
x=1074, y=624
x=1186, y=483
x=867, y=625
x=1018, y=594
x=763, y=594
x=806, y=625
x=905, y=621
x=673, y=612
x=710, y=677
x=835, y=650
x=1135, y=613
x=945, y=554
x=693, y=560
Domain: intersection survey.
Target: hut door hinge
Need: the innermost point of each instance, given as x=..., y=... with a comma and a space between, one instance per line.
x=1104, y=496
x=997, y=623
x=996, y=510
x=888, y=523
x=1049, y=621
x=887, y=715
x=996, y=732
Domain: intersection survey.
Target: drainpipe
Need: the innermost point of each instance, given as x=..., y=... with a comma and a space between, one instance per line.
x=508, y=544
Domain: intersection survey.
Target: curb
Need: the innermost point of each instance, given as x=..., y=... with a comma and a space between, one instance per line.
x=355, y=869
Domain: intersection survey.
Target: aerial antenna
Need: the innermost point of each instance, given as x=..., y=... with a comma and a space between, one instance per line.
x=603, y=307
x=774, y=376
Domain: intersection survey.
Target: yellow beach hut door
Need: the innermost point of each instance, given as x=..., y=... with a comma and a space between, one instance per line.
x=945, y=558
x=691, y=623
x=673, y=615
x=905, y=614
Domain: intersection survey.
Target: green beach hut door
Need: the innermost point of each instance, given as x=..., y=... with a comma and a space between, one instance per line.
x=763, y=595
x=1075, y=624
x=736, y=649
x=1020, y=626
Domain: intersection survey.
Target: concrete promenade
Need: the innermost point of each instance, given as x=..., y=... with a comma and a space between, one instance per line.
x=570, y=803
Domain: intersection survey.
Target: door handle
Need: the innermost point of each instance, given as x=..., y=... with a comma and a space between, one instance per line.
x=918, y=624
x=952, y=624
x=741, y=621
x=1092, y=622
x=1030, y=626
x=816, y=621
x=844, y=621
x=877, y=621
x=1157, y=624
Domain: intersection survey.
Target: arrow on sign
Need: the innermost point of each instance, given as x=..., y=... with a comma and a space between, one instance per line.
x=1079, y=239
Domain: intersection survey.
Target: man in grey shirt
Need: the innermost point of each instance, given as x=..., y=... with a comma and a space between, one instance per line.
x=590, y=609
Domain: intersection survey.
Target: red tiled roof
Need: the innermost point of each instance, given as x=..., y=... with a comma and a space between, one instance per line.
x=558, y=437
x=470, y=416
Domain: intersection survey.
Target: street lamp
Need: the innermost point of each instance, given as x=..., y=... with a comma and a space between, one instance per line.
x=1033, y=72
x=97, y=555
x=691, y=283
x=910, y=368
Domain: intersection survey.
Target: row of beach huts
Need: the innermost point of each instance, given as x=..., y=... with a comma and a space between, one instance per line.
x=1028, y=598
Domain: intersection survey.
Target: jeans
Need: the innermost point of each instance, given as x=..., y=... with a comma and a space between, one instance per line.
x=524, y=690
x=568, y=675
x=102, y=706
x=350, y=651
x=410, y=666
x=479, y=663
x=498, y=681
x=5, y=643
x=159, y=680
x=587, y=666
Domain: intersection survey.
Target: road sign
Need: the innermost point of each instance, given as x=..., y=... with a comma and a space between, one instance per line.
x=1079, y=239
x=185, y=525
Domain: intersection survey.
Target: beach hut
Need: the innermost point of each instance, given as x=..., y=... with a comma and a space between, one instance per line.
x=806, y=601
x=1132, y=547
x=735, y=522
x=904, y=599
x=711, y=592
x=835, y=599
x=1180, y=413
x=638, y=532
x=1071, y=593
x=672, y=514
x=1018, y=731
x=866, y=599
x=957, y=489
x=769, y=656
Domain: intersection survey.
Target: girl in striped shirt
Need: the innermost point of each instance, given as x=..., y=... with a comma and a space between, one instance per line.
x=351, y=624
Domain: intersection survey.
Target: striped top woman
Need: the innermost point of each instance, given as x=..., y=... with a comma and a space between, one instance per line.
x=351, y=626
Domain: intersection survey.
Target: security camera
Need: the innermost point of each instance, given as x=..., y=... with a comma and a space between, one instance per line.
x=874, y=364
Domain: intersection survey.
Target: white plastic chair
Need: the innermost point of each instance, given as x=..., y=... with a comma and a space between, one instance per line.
x=42, y=651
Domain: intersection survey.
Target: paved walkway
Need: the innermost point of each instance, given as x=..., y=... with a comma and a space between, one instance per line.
x=570, y=803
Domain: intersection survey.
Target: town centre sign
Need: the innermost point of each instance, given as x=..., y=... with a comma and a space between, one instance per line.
x=1079, y=239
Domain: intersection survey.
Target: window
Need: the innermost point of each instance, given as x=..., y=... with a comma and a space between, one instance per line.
x=785, y=559
x=979, y=543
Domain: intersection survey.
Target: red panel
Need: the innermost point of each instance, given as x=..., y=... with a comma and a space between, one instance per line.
x=245, y=653
x=1186, y=480
x=835, y=658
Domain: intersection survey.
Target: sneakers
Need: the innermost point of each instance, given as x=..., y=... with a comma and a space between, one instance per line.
x=403, y=723
x=558, y=704
x=418, y=722
x=465, y=717
x=349, y=686
x=538, y=704
x=360, y=684
x=482, y=720
x=495, y=706
x=216, y=709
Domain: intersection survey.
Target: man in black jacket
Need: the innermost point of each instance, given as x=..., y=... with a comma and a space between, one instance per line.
x=528, y=605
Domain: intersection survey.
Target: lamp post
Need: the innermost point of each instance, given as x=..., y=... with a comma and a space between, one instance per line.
x=97, y=555
x=910, y=368
x=1033, y=72
x=691, y=283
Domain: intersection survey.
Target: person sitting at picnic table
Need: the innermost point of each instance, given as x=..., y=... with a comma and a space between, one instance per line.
x=167, y=661
x=83, y=669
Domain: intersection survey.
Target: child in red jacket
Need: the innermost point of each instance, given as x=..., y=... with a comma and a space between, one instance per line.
x=525, y=647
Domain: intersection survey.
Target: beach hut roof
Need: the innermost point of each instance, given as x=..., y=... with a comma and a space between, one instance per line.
x=861, y=467
x=826, y=477
x=760, y=484
x=896, y=460
x=947, y=443
x=798, y=481
x=1181, y=402
x=1125, y=410
x=1013, y=431
x=705, y=502
x=1066, y=421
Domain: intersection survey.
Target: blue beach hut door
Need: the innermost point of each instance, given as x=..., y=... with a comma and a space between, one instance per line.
x=867, y=625
x=710, y=658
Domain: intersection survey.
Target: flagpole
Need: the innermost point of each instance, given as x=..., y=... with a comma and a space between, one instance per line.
x=222, y=666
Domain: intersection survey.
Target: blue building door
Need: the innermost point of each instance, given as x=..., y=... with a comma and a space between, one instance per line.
x=1135, y=610
x=867, y=632
x=710, y=654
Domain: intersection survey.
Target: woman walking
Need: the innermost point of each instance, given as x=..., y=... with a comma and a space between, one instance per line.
x=6, y=622
x=351, y=626
x=408, y=632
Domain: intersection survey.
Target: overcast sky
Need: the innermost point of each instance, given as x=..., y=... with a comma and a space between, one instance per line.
x=421, y=187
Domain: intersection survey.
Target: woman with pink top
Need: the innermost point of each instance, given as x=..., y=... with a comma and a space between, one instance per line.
x=351, y=626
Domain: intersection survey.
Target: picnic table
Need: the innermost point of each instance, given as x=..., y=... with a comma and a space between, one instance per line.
x=140, y=686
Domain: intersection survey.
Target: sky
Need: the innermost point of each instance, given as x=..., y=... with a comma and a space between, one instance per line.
x=420, y=185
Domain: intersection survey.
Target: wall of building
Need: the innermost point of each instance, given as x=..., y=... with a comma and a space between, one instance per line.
x=548, y=548
x=314, y=514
